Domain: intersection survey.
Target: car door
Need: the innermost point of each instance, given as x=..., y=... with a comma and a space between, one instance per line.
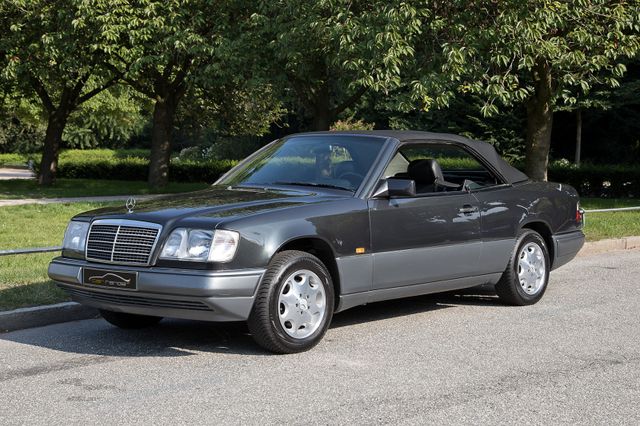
x=501, y=209
x=431, y=237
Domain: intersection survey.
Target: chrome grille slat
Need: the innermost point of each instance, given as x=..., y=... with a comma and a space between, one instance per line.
x=122, y=241
x=127, y=243
x=97, y=244
x=129, y=250
x=100, y=250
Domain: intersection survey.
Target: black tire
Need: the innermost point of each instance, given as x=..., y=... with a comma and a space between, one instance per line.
x=509, y=289
x=129, y=321
x=264, y=323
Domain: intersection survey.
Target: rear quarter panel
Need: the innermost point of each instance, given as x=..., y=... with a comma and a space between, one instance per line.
x=506, y=210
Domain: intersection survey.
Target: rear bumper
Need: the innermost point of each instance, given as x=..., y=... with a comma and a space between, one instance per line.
x=165, y=292
x=566, y=247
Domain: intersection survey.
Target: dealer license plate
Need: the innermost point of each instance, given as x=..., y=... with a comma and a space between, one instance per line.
x=110, y=279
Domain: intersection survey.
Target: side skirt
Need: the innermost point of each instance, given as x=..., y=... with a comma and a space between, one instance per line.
x=347, y=301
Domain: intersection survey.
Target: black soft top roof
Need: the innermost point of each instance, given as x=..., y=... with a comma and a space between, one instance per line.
x=484, y=149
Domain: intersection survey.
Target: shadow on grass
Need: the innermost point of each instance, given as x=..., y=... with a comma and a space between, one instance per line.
x=171, y=338
x=34, y=294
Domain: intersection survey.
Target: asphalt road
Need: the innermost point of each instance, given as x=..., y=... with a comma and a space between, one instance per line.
x=463, y=359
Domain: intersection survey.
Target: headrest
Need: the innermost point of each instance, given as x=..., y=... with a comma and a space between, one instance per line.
x=425, y=171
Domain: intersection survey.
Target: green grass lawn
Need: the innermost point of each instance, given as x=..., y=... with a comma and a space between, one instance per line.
x=21, y=188
x=599, y=226
x=23, y=278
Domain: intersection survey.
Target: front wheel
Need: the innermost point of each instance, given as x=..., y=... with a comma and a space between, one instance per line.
x=294, y=304
x=527, y=275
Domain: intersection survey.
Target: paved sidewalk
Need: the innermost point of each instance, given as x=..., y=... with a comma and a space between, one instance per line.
x=101, y=199
x=7, y=173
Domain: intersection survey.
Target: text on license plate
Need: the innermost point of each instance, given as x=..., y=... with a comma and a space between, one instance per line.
x=112, y=279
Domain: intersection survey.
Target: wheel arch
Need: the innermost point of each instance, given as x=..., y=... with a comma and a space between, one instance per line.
x=323, y=251
x=544, y=230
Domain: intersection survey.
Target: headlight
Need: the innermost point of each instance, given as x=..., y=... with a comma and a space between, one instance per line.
x=224, y=246
x=200, y=245
x=75, y=236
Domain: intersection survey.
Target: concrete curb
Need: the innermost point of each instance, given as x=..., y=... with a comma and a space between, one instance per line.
x=614, y=244
x=70, y=311
x=38, y=316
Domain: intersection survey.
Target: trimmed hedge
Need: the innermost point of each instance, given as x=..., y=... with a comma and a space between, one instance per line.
x=589, y=180
x=12, y=160
x=138, y=169
x=599, y=180
x=133, y=164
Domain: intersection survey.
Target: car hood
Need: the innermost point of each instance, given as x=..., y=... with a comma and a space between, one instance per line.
x=211, y=205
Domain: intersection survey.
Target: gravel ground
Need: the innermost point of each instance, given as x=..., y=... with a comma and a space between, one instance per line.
x=455, y=359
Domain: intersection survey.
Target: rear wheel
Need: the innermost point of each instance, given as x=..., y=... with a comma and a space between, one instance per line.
x=129, y=321
x=294, y=304
x=527, y=275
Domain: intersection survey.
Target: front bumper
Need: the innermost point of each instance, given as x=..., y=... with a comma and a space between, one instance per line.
x=165, y=292
x=566, y=247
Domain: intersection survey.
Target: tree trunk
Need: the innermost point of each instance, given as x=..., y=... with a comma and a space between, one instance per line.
x=322, y=117
x=49, y=163
x=70, y=98
x=163, y=117
x=578, y=137
x=539, y=123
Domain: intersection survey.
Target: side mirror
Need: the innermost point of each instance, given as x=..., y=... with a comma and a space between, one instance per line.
x=389, y=188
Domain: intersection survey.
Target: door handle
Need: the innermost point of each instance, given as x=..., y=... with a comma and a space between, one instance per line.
x=468, y=209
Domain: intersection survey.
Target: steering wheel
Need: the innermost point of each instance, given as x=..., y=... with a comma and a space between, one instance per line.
x=353, y=177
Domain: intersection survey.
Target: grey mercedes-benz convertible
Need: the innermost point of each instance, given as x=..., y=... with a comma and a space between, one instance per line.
x=316, y=223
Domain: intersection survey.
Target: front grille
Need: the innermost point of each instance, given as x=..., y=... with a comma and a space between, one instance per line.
x=128, y=300
x=122, y=241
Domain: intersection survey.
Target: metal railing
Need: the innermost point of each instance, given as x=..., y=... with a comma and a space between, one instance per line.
x=30, y=250
x=618, y=209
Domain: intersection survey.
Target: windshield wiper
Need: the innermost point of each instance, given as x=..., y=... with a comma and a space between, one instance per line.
x=315, y=184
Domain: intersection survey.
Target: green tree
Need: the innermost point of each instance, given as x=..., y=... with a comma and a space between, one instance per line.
x=536, y=53
x=605, y=100
x=46, y=54
x=165, y=49
x=326, y=54
x=109, y=120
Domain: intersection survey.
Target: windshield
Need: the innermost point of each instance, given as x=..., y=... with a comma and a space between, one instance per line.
x=330, y=161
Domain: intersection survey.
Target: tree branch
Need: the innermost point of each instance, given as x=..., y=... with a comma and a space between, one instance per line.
x=97, y=90
x=77, y=89
x=349, y=101
x=133, y=83
x=41, y=91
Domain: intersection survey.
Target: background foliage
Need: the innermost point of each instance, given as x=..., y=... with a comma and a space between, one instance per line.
x=237, y=74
